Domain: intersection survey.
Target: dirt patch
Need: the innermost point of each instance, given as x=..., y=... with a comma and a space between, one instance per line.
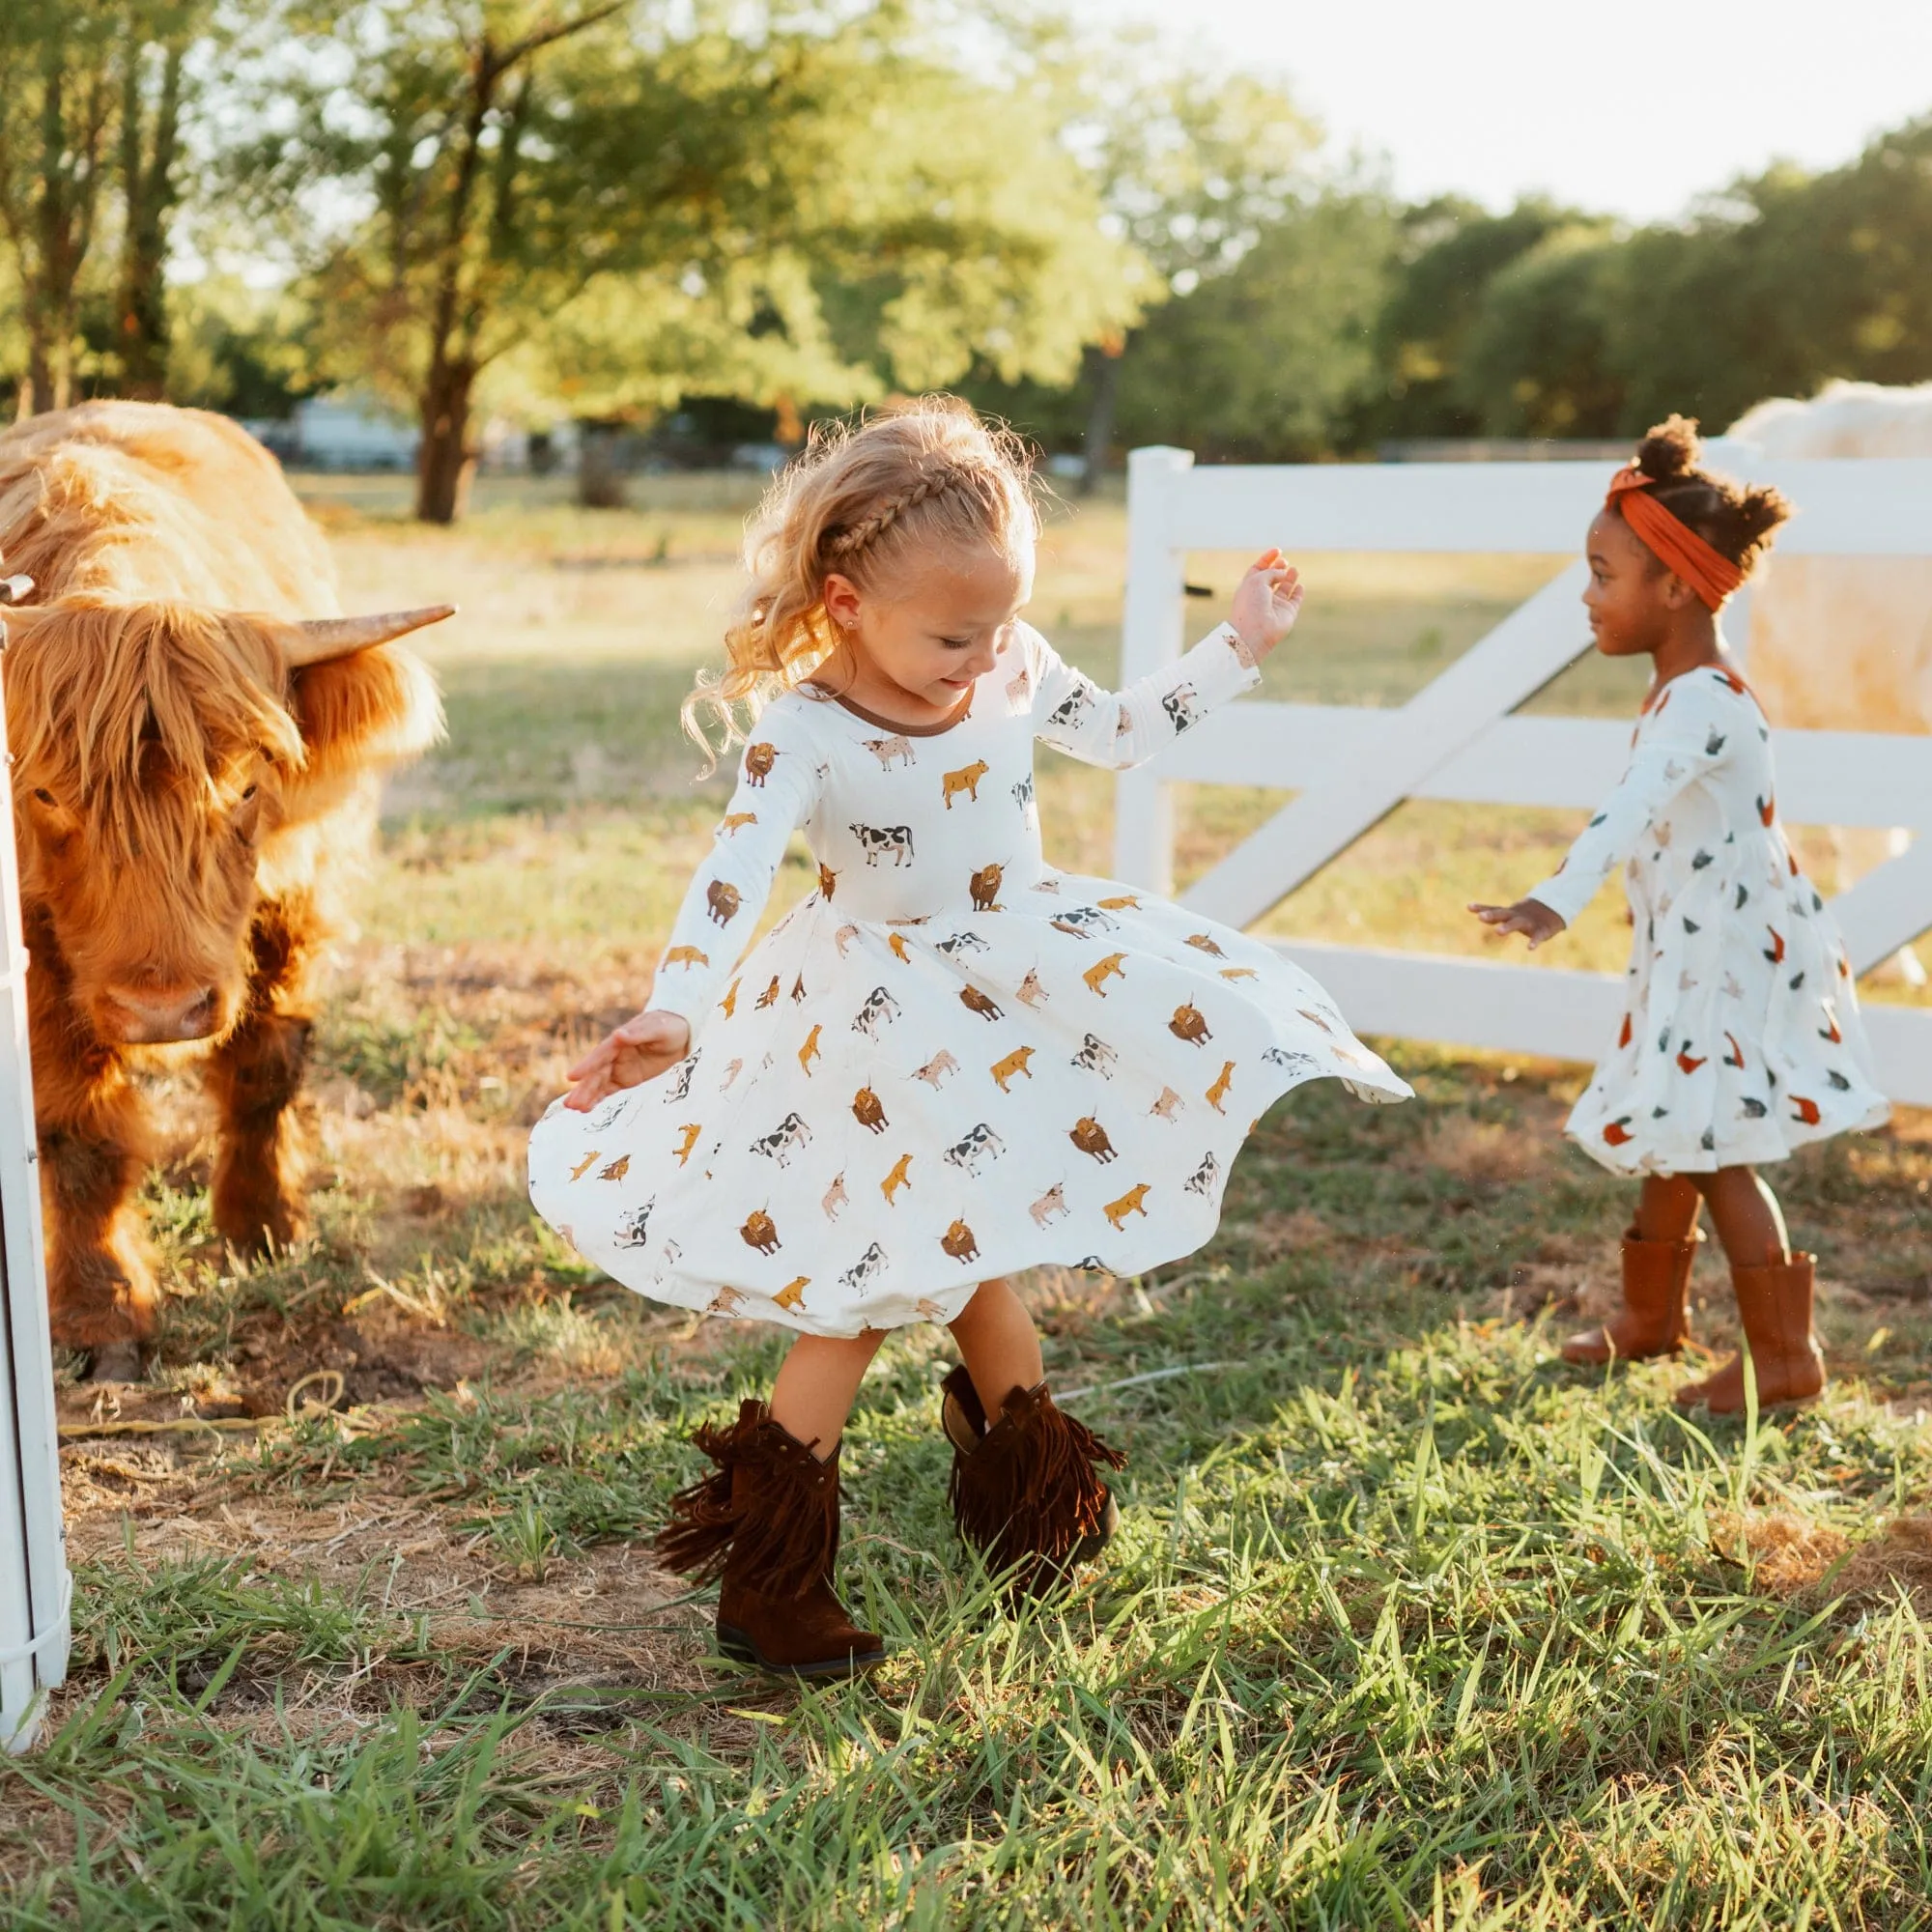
x=1900, y=1559
x=1562, y=1289
x=608, y=1615
x=276, y=1361
x=1485, y=1153
x=1792, y=1555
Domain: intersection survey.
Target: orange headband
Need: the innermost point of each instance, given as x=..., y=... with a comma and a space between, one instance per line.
x=1674, y=544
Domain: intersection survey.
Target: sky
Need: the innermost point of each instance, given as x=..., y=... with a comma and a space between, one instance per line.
x=1632, y=108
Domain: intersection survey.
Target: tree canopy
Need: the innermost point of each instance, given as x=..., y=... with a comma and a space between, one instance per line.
x=602, y=210
x=610, y=204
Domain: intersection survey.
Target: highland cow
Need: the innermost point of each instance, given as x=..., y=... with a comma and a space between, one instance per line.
x=198, y=741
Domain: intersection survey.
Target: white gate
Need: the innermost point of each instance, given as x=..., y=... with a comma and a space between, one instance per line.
x=33, y=1581
x=1458, y=739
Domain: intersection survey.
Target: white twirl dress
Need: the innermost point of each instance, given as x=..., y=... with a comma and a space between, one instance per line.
x=1741, y=1038
x=949, y=1062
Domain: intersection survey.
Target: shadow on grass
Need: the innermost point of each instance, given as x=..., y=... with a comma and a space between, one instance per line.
x=1406, y=1624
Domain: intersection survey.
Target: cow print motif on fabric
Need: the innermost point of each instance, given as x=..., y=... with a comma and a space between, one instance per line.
x=974, y=1064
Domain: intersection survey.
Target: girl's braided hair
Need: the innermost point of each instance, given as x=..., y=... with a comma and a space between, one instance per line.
x=917, y=478
x=1736, y=520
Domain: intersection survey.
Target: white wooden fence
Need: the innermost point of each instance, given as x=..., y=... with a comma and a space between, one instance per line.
x=35, y=1587
x=1458, y=739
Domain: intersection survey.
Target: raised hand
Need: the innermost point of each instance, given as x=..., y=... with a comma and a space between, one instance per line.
x=640, y=1049
x=1267, y=602
x=1529, y=916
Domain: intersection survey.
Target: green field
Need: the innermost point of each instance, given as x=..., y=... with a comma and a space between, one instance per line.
x=1408, y=1626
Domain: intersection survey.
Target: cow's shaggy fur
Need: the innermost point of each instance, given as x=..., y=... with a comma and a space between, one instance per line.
x=185, y=808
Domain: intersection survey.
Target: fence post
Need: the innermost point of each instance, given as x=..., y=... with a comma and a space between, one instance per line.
x=1152, y=635
x=35, y=1587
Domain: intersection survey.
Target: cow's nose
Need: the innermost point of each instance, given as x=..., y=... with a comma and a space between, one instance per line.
x=146, y=1016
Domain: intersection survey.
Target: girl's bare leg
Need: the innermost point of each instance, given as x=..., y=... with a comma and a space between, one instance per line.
x=1667, y=1207
x=998, y=1344
x=816, y=1384
x=1748, y=1217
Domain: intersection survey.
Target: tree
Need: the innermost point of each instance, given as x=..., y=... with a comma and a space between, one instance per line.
x=94, y=101
x=1448, y=252
x=156, y=41
x=1260, y=363
x=56, y=105
x=248, y=350
x=435, y=114
x=580, y=193
x=1193, y=164
x=1535, y=358
x=1780, y=284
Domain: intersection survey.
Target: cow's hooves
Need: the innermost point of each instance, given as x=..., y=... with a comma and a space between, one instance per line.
x=117, y=1362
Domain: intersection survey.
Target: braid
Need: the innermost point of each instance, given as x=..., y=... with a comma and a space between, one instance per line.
x=856, y=538
x=910, y=482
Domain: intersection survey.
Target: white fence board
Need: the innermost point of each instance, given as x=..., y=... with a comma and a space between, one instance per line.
x=1545, y=1011
x=1869, y=506
x=1460, y=739
x=1824, y=777
x=1890, y=907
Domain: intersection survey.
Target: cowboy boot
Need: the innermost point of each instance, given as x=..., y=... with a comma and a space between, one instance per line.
x=766, y=1523
x=1775, y=1306
x=1023, y=1491
x=1655, y=1318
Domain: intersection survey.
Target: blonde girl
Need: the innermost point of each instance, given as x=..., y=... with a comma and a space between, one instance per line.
x=952, y=1061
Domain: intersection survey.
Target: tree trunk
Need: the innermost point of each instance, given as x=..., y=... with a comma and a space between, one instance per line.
x=600, y=483
x=45, y=387
x=448, y=460
x=1103, y=365
x=147, y=176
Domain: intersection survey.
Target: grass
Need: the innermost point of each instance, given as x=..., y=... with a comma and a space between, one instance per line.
x=1408, y=1624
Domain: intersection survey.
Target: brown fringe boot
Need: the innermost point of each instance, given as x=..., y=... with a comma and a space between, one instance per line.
x=766, y=1525
x=1655, y=1316
x=1024, y=1492
x=1775, y=1306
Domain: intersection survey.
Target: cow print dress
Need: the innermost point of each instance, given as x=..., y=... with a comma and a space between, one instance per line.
x=1741, y=1036
x=951, y=1061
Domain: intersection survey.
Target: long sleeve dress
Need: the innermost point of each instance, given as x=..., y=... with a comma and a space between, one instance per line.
x=950, y=1061
x=1741, y=1038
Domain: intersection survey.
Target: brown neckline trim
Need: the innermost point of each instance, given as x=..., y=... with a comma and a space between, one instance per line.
x=945, y=724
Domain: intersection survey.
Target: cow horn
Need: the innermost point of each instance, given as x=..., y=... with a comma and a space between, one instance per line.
x=318, y=640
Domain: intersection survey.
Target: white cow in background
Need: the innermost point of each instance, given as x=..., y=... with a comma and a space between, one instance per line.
x=1841, y=644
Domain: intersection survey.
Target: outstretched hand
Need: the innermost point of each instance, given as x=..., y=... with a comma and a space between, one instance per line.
x=1529, y=916
x=1267, y=602
x=640, y=1049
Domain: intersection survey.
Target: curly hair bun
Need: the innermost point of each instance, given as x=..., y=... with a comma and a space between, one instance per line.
x=1759, y=511
x=1735, y=519
x=1670, y=450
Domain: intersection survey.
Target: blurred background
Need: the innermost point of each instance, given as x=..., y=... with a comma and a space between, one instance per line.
x=567, y=238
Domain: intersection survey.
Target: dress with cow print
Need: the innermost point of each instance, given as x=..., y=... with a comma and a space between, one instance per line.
x=952, y=1060
x=1741, y=1038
